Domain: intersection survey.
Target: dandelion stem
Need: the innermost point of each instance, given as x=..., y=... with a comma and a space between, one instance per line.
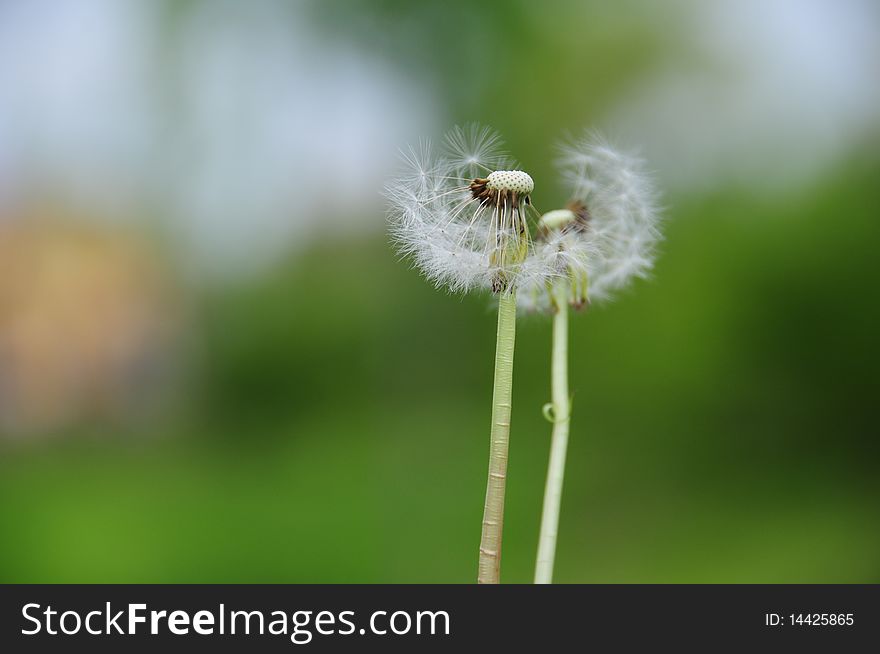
x=559, y=440
x=493, y=514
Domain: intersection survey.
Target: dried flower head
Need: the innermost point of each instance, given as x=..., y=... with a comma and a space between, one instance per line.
x=609, y=226
x=464, y=214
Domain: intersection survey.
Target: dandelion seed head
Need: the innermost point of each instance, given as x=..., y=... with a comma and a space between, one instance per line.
x=610, y=228
x=462, y=212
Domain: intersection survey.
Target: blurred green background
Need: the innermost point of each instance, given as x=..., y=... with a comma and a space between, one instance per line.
x=214, y=368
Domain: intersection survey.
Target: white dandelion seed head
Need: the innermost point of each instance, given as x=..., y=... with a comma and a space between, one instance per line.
x=462, y=213
x=610, y=228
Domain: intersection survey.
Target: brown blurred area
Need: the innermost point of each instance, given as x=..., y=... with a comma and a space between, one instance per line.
x=89, y=319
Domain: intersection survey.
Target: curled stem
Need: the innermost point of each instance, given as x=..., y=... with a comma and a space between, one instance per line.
x=560, y=410
x=493, y=513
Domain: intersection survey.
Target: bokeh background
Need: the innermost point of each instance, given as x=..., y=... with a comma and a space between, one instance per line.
x=214, y=368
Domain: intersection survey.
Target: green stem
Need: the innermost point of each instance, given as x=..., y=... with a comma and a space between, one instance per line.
x=559, y=441
x=493, y=514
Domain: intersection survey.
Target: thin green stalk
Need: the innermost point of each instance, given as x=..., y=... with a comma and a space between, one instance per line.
x=493, y=514
x=561, y=416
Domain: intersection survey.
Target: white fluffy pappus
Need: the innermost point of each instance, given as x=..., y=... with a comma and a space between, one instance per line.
x=611, y=222
x=462, y=213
